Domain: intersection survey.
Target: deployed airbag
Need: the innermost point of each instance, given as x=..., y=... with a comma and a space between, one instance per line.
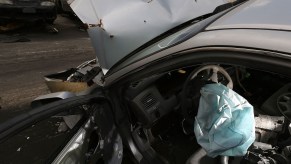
x=225, y=123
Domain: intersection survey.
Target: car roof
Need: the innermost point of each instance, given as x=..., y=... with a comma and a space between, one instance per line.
x=258, y=24
x=257, y=14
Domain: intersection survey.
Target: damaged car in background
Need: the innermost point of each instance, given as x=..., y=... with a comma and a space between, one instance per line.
x=33, y=10
x=28, y=10
x=202, y=82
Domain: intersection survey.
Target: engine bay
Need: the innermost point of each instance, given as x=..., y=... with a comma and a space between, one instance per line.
x=162, y=116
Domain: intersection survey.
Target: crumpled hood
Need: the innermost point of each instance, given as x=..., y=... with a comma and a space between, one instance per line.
x=117, y=28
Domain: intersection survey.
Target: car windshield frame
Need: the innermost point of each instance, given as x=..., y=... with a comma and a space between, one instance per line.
x=151, y=47
x=171, y=38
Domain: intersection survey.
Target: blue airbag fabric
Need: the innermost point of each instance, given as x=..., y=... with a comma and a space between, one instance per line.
x=225, y=123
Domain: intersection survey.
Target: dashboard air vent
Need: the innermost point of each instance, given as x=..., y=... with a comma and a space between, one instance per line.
x=148, y=100
x=134, y=84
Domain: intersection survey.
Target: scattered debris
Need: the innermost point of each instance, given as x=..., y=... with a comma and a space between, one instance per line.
x=19, y=149
x=16, y=39
x=13, y=39
x=75, y=79
x=62, y=127
x=100, y=24
x=11, y=26
x=82, y=28
x=52, y=29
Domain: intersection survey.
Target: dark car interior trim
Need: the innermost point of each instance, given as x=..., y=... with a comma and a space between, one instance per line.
x=234, y=55
x=16, y=124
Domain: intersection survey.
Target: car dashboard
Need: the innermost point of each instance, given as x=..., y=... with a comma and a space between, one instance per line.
x=156, y=104
x=154, y=97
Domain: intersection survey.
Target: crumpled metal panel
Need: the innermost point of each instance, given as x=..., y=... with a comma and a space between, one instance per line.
x=119, y=27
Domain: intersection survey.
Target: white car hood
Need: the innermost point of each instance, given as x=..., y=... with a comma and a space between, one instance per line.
x=118, y=27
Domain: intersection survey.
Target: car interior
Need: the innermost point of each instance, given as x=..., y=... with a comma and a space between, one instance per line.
x=162, y=109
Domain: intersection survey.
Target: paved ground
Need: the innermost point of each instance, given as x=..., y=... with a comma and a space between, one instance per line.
x=23, y=64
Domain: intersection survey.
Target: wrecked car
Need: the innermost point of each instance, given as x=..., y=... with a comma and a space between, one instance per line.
x=29, y=10
x=147, y=102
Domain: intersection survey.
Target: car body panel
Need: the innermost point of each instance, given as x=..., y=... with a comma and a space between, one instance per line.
x=41, y=100
x=261, y=14
x=276, y=39
x=237, y=38
x=263, y=39
x=118, y=28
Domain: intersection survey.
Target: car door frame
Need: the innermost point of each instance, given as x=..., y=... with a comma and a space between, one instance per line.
x=101, y=119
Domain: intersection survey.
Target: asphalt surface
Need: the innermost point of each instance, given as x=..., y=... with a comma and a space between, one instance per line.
x=37, y=53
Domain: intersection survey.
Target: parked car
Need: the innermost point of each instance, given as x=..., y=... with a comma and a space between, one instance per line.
x=29, y=10
x=142, y=110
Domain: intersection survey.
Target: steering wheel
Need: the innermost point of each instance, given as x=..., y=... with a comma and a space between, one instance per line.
x=195, y=81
